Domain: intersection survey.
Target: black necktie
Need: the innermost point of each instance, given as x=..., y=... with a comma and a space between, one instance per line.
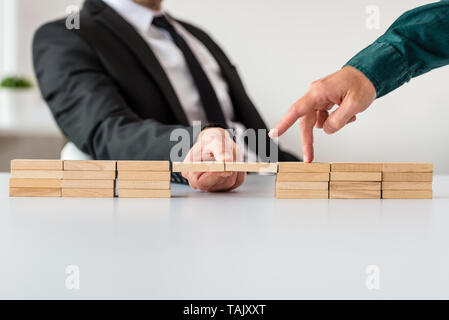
x=207, y=93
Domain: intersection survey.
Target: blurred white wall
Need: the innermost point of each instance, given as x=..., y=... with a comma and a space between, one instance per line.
x=281, y=46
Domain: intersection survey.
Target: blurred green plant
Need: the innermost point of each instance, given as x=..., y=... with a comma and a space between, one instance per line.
x=15, y=83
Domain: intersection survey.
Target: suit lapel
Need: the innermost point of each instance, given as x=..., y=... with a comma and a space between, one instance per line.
x=113, y=21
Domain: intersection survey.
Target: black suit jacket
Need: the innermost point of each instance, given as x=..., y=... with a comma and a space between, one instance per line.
x=110, y=95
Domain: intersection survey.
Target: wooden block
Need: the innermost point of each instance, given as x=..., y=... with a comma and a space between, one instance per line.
x=143, y=193
x=35, y=183
x=34, y=192
x=88, y=175
x=349, y=186
x=89, y=184
x=303, y=176
x=407, y=176
x=356, y=167
x=406, y=185
x=356, y=176
x=300, y=185
x=407, y=167
x=355, y=194
x=303, y=167
x=90, y=165
x=143, y=166
x=45, y=165
x=302, y=194
x=198, y=166
x=144, y=176
x=152, y=185
x=251, y=167
x=88, y=193
x=36, y=174
x=407, y=194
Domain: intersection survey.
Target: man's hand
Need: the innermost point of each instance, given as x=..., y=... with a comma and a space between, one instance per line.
x=348, y=88
x=214, y=144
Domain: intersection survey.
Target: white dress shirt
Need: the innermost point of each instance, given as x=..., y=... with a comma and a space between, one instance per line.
x=173, y=62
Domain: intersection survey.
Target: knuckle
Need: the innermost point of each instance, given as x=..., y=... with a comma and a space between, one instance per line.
x=335, y=123
x=318, y=85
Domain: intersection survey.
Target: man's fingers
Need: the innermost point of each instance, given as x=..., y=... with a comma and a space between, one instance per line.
x=226, y=185
x=307, y=123
x=297, y=110
x=353, y=118
x=321, y=118
x=222, y=149
x=209, y=180
x=339, y=118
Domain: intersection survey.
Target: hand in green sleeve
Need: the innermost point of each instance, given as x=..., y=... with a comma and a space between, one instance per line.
x=416, y=43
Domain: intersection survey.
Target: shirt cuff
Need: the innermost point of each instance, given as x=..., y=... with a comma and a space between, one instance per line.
x=383, y=65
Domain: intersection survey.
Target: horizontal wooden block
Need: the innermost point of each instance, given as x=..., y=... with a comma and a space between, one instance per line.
x=251, y=167
x=36, y=174
x=407, y=167
x=356, y=167
x=406, y=185
x=407, y=194
x=356, y=176
x=89, y=184
x=302, y=194
x=143, y=193
x=198, y=166
x=300, y=185
x=349, y=185
x=303, y=167
x=144, y=176
x=355, y=194
x=25, y=164
x=88, y=175
x=152, y=185
x=35, y=183
x=87, y=193
x=90, y=165
x=303, y=176
x=143, y=166
x=34, y=192
x=407, y=176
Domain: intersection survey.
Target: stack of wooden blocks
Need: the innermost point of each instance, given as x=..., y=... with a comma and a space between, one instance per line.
x=297, y=180
x=355, y=180
x=35, y=178
x=89, y=179
x=143, y=179
x=151, y=179
x=407, y=180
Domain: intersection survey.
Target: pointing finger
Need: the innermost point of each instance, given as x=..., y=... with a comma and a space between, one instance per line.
x=297, y=110
x=307, y=123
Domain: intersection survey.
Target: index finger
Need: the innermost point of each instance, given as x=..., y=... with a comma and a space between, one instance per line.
x=296, y=111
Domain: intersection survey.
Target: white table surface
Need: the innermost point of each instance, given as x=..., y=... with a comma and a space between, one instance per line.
x=240, y=245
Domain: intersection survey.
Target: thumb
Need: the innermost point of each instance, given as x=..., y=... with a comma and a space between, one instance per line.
x=221, y=148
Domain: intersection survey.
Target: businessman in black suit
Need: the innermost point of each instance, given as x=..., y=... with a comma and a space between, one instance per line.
x=130, y=75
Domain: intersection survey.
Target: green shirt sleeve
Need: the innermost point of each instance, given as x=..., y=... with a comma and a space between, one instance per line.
x=416, y=43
